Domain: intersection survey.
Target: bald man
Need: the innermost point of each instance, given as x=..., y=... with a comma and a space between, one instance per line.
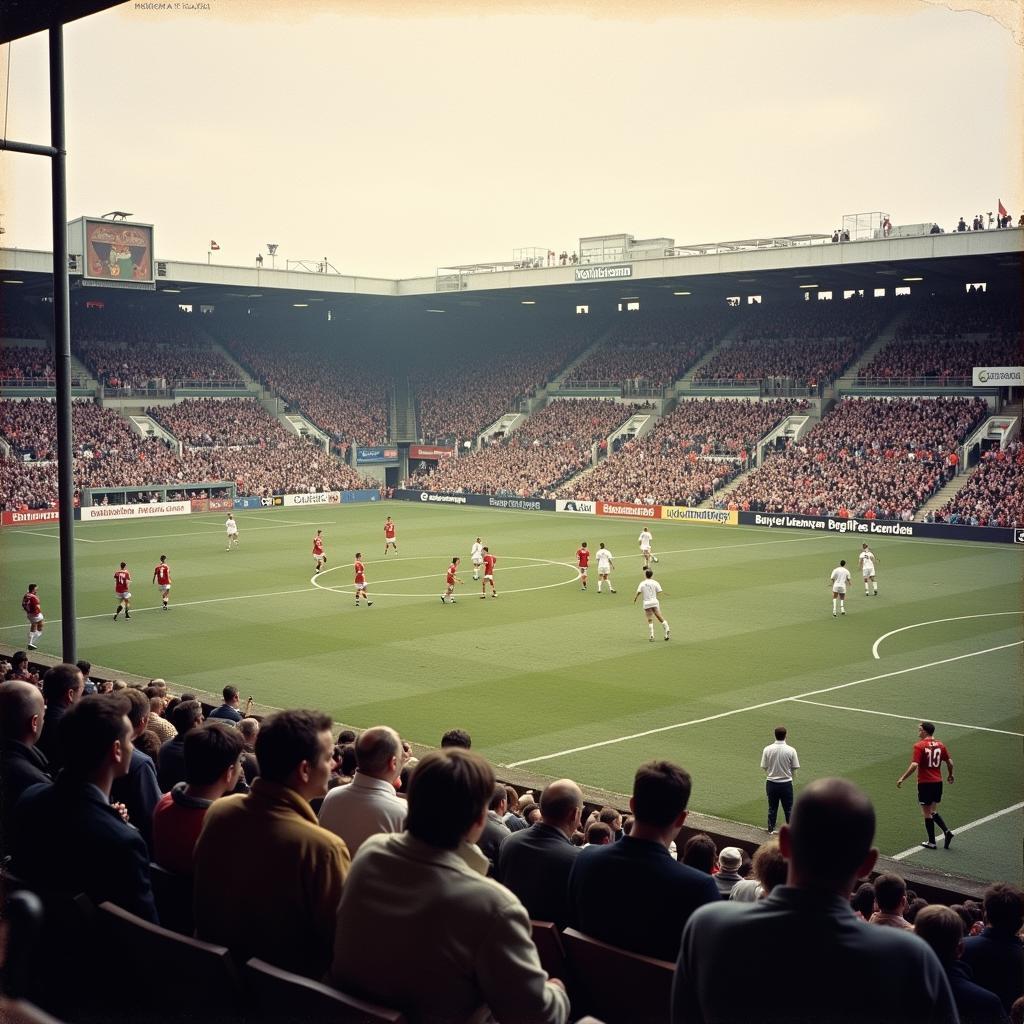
x=22, y=764
x=800, y=946
x=535, y=863
x=369, y=803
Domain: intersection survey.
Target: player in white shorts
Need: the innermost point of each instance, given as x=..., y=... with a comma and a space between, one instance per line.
x=645, y=547
x=476, y=556
x=839, y=579
x=867, y=568
x=605, y=564
x=650, y=589
x=232, y=530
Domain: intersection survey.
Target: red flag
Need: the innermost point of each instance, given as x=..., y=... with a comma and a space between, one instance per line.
x=214, y=245
x=1002, y=209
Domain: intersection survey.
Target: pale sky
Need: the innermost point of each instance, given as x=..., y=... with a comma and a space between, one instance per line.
x=398, y=142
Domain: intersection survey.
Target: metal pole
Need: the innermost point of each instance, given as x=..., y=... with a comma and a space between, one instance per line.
x=62, y=346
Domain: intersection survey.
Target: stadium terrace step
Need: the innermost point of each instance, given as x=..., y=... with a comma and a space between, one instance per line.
x=945, y=494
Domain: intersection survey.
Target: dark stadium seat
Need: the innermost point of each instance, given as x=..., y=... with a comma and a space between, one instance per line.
x=623, y=987
x=549, y=946
x=173, y=896
x=288, y=998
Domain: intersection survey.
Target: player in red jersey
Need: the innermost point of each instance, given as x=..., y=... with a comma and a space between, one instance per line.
x=927, y=760
x=318, y=552
x=489, y=561
x=583, y=561
x=123, y=591
x=162, y=578
x=450, y=580
x=360, y=573
x=34, y=613
x=389, y=536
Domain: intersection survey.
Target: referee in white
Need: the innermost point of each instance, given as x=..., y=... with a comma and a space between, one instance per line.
x=779, y=760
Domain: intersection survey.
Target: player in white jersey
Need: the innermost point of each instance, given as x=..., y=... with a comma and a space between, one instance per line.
x=645, y=547
x=867, y=569
x=476, y=556
x=650, y=589
x=605, y=564
x=839, y=579
x=232, y=531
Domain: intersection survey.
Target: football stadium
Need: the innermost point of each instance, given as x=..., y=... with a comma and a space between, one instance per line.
x=544, y=584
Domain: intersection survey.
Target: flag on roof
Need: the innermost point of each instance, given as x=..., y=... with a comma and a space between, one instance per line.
x=214, y=245
x=1002, y=209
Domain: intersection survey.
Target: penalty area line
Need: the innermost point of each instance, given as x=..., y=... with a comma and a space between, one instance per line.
x=904, y=854
x=909, y=718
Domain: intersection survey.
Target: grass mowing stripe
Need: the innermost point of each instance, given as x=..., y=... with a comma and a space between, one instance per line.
x=909, y=718
x=902, y=855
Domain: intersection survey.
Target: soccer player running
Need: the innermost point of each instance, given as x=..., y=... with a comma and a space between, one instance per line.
x=34, y=613
x=360, y=580
x=389, y=536
x=927, y=760
x=646, y=539
x=583, y=562
x=123, y=591
x=162, y=578
x=450, y=580
x=867, y=568
x=840, y=578
x=489, y=561
x=649, y=589
x=476, y=556
x=232, y=531
x=605, y=564
x=319, y=558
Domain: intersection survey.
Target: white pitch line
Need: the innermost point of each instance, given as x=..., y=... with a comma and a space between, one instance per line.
x=961, y=828
x=909, y=718
x=934, y=622
x=756, y=707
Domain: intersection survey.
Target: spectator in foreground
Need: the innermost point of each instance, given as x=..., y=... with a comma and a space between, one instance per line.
x=456, y=738
x=212, y=765
x=828, y=847
x=996, y=956
x=67, y=837
x=891, y=901
x=22, y=763
x=249, y=728
x=138, y=790
x=638, y=873
x=228, y=711
x=495, y=830
x=171, y=763
x=62, y=686
x=768, y=870
x=730, y=860
x=268, y=878
x=419, y=927
x=700, y=852
x=943, y=930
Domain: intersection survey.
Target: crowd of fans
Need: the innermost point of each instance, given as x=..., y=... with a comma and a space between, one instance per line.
x=870, y=457
x=369, y=856
x=551, y=446
x=210, y=422
x=26, y=364
x=691, y=453
x=938, y=358
x=993, y=496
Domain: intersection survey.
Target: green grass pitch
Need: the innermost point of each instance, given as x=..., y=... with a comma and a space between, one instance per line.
x=566, y=682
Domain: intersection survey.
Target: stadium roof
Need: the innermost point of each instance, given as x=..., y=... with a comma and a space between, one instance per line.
x=26, y=17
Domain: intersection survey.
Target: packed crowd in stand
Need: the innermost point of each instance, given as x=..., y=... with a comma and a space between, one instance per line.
x=677, y=462
x=994, y=495
x=870, y=457
x=552, y=445
x=942, y=359
x=370, y=858
x=209, y=422
x=26, y=364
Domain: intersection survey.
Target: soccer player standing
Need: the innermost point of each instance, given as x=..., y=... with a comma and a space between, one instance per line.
x=840, y=578
x=232, y=531
x=319, y=558
x=123, y=591
x=162, y=578
x=605, y=564
x=34, y=613
x=927, y=760
x=450, y=580
x=867, y=568
x=360, y=580
x=650, y=589
x=489, y=561
x=476, y=556
x=389, y=536
x=583, y=562
x=646, y=539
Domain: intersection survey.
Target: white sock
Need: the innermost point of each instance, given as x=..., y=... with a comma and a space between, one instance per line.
x=650, y=629
x=876, y=588
x=599, y=582
x=834, y=606
x=31, y=637
x=665, y=624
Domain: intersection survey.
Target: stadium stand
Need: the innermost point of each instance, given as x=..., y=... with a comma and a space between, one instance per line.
x=994, y=495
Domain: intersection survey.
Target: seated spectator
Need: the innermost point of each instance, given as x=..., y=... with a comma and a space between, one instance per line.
x=369, y=804
x=638, y=873
x=278, y=904
x=138, y=788
x=769, y=869
x=599, y=834
x=514, y=815
x=62, y=687
x=66, y=836
x=418, y=900
x=249, y=728
x=535, y=863
x=228, y=711
x=700, y=852
x=942, y=930
x=213, y=754
x=863, y=900
x=171, y=763
x=996, y=956
x=828, y=846
x=530, y=811
x=891, y=902
x=158, y=725
x=456, y=738
x=22, y=764
x=730, y=859
x=495, y=829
